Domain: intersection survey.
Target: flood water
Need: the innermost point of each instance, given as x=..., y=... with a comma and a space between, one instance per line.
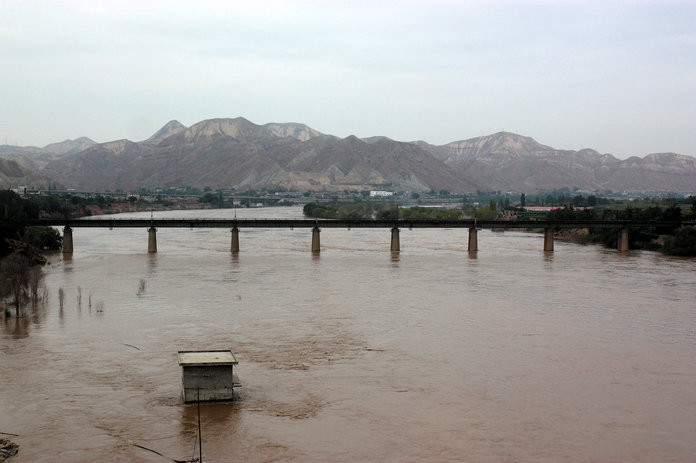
x=585, y=354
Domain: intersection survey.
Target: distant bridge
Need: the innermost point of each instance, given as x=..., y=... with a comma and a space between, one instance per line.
x=549, y=226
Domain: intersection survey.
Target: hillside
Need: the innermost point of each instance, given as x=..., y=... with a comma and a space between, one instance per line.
x=34, y=158
x=507, y=161
x=236, y=153
x=12, y=175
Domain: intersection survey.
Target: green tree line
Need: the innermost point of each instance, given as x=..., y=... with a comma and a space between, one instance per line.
x=14, y=232
x=666, y=238
x=676, y=240
x=21, y=248
x=377, y=210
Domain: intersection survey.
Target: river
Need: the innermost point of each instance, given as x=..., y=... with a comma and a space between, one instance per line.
x=431, y=354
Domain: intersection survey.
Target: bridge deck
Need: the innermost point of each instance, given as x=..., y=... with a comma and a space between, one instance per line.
x=350, y=223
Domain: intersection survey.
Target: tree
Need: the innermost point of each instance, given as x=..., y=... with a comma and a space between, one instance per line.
x=672, y=214
x=486, y=213
x=523, y=200
x=682, y=243
x=389, y=214
x=34, y=284
x=43, y=238
x=15, y=270
x=209, y=198
x=14, y=213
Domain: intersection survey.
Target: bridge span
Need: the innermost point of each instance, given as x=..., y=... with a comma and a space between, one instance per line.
x=549, y=227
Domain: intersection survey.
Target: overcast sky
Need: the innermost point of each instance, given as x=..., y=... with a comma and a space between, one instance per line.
x=618, y=77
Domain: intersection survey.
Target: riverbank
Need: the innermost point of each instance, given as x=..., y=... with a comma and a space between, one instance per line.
x=110, y=208
x=121, y=207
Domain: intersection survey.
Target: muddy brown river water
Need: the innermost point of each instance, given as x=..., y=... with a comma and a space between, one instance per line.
x=356, y=355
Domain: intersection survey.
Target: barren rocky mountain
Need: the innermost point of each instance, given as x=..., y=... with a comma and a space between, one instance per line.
x=653, y=172
x=13, y=175
x=53, y=150
x=169, y=129
x=507, y=161
x=236, y=153
x=33, y=158
x=68, y=146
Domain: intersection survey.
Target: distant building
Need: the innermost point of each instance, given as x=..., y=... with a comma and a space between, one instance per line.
x=381, y=194
x=26, y=190
x=553, y=208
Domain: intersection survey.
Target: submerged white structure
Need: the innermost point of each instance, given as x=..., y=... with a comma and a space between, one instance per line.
x=208, y=375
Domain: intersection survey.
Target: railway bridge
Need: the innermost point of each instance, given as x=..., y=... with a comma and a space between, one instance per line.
x=234, y=225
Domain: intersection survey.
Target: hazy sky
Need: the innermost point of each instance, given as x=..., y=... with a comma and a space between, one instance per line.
x=619, y=77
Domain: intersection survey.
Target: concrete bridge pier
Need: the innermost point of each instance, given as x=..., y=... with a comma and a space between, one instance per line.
x=67, y=240
x=152, y=239
x=548, y=240
x=316, y=245
x=473, y=239
x=623, y=240
x=395, y=243
x=234, y=247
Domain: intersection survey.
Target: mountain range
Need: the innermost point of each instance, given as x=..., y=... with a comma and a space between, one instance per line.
x=236, y=153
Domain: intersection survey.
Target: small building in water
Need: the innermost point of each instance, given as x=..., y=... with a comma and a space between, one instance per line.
x=208, y=375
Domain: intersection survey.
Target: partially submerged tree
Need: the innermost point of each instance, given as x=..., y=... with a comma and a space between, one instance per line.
x=20, y=273
x=15, y=271
x=34, y=285
x=14, y=213
x=21, y=248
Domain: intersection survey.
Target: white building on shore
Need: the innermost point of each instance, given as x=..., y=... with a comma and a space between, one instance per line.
x=381, y=194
